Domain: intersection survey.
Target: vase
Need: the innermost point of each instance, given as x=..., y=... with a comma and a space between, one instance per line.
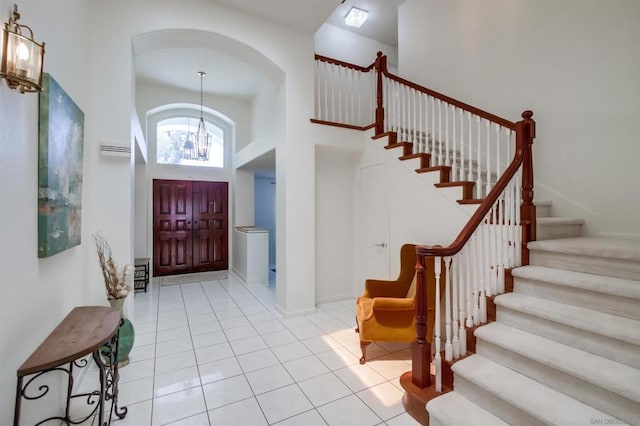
x=126, y=334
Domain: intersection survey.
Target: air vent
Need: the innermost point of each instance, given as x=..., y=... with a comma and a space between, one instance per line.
x=115, y=150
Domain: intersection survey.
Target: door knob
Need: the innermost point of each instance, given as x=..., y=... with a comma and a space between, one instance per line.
x=383, y=245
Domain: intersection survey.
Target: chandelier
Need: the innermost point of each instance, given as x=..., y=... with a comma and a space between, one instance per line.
x=199, y=148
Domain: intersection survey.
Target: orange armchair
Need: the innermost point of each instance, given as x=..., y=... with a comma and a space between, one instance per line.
x=386, y=311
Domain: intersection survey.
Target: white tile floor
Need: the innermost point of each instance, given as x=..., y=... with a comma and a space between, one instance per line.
x=218, y=353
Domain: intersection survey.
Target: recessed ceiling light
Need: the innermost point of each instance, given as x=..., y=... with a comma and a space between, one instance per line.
x=355, y=17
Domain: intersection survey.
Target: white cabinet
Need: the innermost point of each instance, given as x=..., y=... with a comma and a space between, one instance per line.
x=251, y=254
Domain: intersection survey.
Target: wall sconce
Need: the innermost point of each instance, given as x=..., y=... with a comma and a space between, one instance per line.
x=22, y=56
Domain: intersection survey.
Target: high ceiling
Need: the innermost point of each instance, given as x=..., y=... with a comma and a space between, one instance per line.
x=305, y=15
x=175, y=64
x=173, y=58
x=382, y=19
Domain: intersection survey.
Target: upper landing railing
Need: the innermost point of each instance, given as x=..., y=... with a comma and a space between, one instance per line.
x=481, y=150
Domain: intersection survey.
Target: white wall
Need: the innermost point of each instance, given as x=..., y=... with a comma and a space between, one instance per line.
x=347, y=46
x=575, y=63
x=265, y=211
x=244, y=198
x=263, y=125
x=149, y=96
x=290, y=50
x=419, y=213
x=142, y=214
x=335, y=190
x=39, y=293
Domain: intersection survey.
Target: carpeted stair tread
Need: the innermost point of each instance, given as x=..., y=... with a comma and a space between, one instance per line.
x=454, y=409
x=612, y=326
x=627, y=249
x=596, y=283
x=559, y=221
x=617, y=378
x=529, y=396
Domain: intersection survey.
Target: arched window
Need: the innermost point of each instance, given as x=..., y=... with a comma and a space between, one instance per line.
x=176, y=143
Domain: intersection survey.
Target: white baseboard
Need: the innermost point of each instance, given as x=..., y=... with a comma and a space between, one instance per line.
x=334, y=298
x=298, y=313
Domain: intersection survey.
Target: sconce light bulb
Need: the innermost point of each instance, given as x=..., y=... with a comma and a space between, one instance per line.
x=22, y=52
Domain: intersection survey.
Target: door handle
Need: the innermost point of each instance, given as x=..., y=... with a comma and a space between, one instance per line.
x=188, y=225
x=383, y=245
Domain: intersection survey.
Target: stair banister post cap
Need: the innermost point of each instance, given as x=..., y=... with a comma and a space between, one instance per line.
x=526, y=115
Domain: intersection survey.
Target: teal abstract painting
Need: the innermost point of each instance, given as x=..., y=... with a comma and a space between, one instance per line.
x=61, y=138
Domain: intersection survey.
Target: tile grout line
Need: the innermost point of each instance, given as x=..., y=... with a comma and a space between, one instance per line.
x=239, y=302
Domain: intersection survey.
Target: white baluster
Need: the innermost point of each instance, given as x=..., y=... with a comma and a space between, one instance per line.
x=353, y=89
x=518, y=234
x=512, y=223
x=333, y=96
x=373, y=95
x=499, y=167
x=461, y=143
x=488, y=158
x=421, y=147
x=432, y=146
x=454, y=165
x=500, y=244
x=493, y=241
x=455, y=310
x=482, y=259
x=414, y=125
x=468, y=248
x=348, y=96
x=476, y=278
x=464, y=297
x=398, y=110
x=448, y=348
x=325, y=99
x=447, y=160
x=436, y=337
x=407, y=114
x=316, y=76
x=470, y=132
x=479, y=168
x=389, y=106
x=439, y=132
x=341, y=86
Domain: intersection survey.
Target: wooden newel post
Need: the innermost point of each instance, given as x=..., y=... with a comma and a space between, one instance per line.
x=381, y=67
x=421, y=348
x=527, y=209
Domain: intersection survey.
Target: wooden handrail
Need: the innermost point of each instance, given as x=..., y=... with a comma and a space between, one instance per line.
x=344, y=64
x=476, y=111
x=525, y=132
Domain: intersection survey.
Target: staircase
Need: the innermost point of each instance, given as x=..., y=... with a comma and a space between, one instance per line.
x=565, y=347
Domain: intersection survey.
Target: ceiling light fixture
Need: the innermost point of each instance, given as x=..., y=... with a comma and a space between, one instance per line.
x=356, y=17
x=22, y=56
x=203, y=139
x=198, y=149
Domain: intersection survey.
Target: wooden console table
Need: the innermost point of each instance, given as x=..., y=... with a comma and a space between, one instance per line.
x=86, y=330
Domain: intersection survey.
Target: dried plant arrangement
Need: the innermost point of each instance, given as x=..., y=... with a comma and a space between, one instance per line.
x=116, y=281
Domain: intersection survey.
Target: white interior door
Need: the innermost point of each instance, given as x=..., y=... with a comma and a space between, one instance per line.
x=374, y=223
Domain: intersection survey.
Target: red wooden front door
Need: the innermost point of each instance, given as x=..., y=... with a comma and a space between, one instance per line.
x=189, y=226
